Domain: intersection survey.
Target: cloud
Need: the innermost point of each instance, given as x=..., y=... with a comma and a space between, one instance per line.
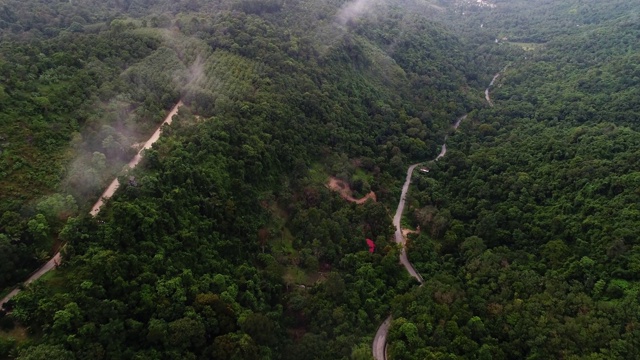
x=353, y=10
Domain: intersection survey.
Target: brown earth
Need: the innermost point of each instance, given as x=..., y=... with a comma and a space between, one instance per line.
x=406, y=232
x=345, y=191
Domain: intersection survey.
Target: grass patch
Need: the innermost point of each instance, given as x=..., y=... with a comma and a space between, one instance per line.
x=362, y=175
x=405, y=223
x=283, y=243
x=294, y=275
x=56, y=279
x=317, y=174
x=19, y=334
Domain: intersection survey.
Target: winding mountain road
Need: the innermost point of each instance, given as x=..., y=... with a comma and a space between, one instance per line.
x=380, y=340
x=95, y=210
x=486, y=91
x=379, y=346
x=398, y=216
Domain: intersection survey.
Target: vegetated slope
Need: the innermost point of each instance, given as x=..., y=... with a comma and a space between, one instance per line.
x=59, y=104
x=520, y=21
x=77, y=92
x=528, y=245
x=198, y=257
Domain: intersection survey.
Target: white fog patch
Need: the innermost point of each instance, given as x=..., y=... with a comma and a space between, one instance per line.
x=354, y=10
x=196, y=73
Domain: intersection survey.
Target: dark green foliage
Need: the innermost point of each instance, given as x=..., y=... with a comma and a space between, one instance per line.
x=183, y=262
x=225, y=242
x=527, y=238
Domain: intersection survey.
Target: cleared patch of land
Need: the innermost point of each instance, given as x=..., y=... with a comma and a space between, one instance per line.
x=345, y=191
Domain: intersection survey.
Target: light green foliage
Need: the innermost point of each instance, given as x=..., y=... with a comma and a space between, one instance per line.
x=46, y=352
x=39, y=228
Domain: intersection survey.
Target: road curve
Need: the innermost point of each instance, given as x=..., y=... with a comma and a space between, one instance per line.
x=380, y=340
x=57, y=258
x=486, y=91
x=379, y=346
x=396, y=222
x=345, y=191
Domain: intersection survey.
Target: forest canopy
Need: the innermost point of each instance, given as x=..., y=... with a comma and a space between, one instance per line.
x=227, y=242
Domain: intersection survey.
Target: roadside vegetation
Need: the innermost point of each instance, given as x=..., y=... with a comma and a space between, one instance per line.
x=226, y=242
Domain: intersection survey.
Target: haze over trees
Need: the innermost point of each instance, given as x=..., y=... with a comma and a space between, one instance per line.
x=226, y=243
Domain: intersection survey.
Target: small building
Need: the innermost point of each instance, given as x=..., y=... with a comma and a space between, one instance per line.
x=424, y=170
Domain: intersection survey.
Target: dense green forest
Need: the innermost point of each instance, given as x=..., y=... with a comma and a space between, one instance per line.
x=229, y=245
x=529, y=224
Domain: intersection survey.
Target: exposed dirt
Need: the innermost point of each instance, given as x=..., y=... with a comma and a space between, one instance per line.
x=406, y=232
x=345, y=191
x=56, y=259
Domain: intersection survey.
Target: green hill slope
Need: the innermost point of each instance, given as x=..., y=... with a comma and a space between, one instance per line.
x=528, y=240
x=204, y=255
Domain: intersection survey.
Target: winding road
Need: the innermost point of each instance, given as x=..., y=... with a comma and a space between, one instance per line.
x=95, y=210
x=495, y=77
x=343, y=188
x=379, y=346
x=398, y=216
x=486, y=91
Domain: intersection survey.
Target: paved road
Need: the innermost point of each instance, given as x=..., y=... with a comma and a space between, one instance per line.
x=396, y=222
x=51, y=264
x=486, y=91
x=56, y=259
x=380, y=340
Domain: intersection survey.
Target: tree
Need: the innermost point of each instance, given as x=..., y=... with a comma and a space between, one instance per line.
x=261, y=329
x=46, y=352
x=39, y=229
x=186, y=333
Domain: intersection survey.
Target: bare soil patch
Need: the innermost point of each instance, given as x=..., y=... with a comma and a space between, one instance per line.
x=406, y=232
x=346, y=193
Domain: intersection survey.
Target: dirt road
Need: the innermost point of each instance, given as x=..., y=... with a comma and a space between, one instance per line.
x=115, y=184
x=380, y=339
x=111, y=189
x=346, y=193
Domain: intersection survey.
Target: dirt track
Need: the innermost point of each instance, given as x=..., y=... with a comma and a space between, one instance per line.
x=346, y=193
x=111, y=189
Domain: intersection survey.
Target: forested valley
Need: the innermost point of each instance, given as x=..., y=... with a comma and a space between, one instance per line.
x=226, y=242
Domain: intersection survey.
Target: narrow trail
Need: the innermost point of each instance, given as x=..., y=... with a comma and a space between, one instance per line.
x=95, y=210
x=379, y=346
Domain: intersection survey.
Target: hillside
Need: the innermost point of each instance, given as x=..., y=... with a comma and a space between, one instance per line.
x=228, y=244
x=528, y=239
